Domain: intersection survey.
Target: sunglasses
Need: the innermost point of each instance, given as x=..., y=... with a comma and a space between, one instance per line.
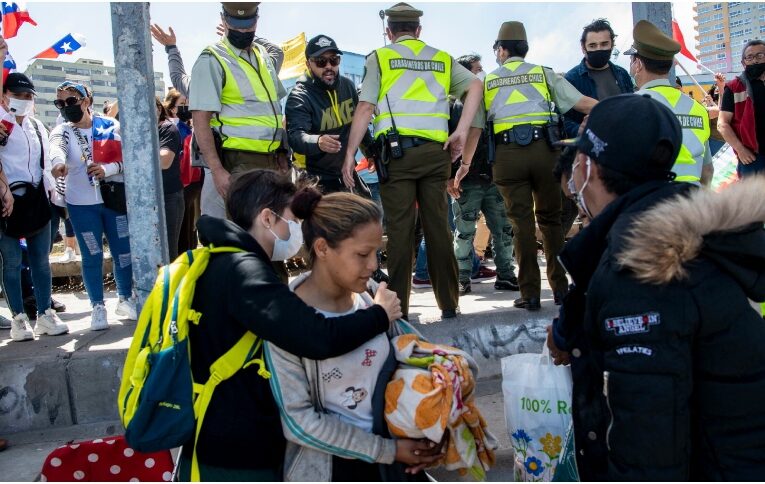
x=321, y=62
x=70, y=101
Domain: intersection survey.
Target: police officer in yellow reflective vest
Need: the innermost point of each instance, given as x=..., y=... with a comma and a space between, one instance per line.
x=653, y=54
x=409, y=82
x=235, y=93
x=523, y=102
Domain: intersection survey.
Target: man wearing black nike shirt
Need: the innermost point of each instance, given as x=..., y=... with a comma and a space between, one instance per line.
x=319, y=112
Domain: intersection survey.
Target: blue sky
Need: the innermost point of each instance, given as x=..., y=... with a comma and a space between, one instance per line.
x=554, y=28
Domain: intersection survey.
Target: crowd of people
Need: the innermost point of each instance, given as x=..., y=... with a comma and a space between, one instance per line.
x=665, y=377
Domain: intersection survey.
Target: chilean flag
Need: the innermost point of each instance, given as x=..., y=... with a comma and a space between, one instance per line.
x=9, y=65
x=107, y=144
x=67, y=45
x=14, y=15
x=678, y=36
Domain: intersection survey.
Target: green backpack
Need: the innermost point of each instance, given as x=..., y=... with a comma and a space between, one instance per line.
x=160, y=405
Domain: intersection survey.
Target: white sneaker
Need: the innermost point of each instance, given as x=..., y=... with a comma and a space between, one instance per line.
x=49, y=323
x=20, y=330
x=126, y=308
x=98, y=320
x=68, y=256
x=5, y=323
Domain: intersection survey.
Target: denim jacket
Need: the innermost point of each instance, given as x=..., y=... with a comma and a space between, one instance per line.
x=579, y=76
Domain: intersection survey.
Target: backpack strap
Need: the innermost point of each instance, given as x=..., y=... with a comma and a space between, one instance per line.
x=239, y=357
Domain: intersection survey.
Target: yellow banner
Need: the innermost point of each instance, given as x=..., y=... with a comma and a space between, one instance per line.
x=294, y=57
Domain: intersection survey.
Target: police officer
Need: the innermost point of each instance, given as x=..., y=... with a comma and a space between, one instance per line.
x=522, y=101
x=409, y=83
x=652, y=56
x=234, y=95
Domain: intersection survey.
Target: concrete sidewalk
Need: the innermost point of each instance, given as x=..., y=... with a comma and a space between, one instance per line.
x=57, y=389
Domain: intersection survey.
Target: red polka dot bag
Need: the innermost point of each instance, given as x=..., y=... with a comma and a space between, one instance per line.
x=108, y=459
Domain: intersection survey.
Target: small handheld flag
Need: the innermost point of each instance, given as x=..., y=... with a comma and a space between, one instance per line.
x=678, y=36
x=67, y=45
x=9, y=65
x=14, y=16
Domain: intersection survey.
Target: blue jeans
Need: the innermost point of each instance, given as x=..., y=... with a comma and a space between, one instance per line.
x=91, y=223
x=753, y=168
x=421, y=265
x=38, y=248
x=475, y=199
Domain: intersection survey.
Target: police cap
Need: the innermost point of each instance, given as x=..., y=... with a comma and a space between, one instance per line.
x=403, y=12
x=652, y=43
x=241, y=15
x=512, y=31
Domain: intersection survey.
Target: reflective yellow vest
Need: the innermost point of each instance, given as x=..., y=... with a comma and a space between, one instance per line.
x=416, y=79
x=694, y=120
x=250, y=118
x=517, y=93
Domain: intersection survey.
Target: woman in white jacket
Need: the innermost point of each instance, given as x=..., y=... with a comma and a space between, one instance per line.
x=333, y=410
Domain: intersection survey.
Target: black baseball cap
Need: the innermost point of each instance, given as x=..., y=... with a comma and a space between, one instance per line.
x=319, y=45
x=626, y=148
x=18, y=82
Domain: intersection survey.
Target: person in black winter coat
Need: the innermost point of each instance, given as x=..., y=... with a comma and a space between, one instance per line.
x=241, y=438
x=665, y=347
x=319, y=112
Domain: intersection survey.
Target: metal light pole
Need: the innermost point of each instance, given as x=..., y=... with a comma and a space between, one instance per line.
x=659, y=14
x=140, y=142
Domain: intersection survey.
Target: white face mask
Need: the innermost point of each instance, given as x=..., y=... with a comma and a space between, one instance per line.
x=481, y=75
x=286, y=249
x=20, y=107
x=579, y=194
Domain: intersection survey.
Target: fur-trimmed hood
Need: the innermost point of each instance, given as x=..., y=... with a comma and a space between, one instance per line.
x=727, y=227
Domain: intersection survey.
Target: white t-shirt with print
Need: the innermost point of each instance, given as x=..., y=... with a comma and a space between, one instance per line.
x=65, y=148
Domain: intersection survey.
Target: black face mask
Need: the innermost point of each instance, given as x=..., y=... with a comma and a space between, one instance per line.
x=240, y=40
x=183, y=113
x=598, y=58
x=72, y=114
x=754, y=71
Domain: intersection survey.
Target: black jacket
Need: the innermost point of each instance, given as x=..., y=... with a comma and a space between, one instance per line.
x=240, y=292
x=665, y=331
x=310, y=113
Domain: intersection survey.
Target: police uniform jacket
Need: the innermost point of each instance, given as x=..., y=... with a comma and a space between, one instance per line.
x=669, y=372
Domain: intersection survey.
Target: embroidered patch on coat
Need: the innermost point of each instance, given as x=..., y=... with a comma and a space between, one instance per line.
x=634, y=350
x=626, y=325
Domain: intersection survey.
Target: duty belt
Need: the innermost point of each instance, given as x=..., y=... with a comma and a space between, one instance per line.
x=413, y=141
x=522, y=135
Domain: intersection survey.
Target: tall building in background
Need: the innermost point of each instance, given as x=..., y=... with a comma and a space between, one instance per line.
x=47, y=74
x=722, y=30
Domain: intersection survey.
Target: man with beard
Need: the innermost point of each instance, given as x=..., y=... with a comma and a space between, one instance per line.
x=319, y=112
x=596, y=76
x=234, y=98
x=742, y=112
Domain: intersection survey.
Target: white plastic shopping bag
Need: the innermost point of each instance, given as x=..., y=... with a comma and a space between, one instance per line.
x=537, y=411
